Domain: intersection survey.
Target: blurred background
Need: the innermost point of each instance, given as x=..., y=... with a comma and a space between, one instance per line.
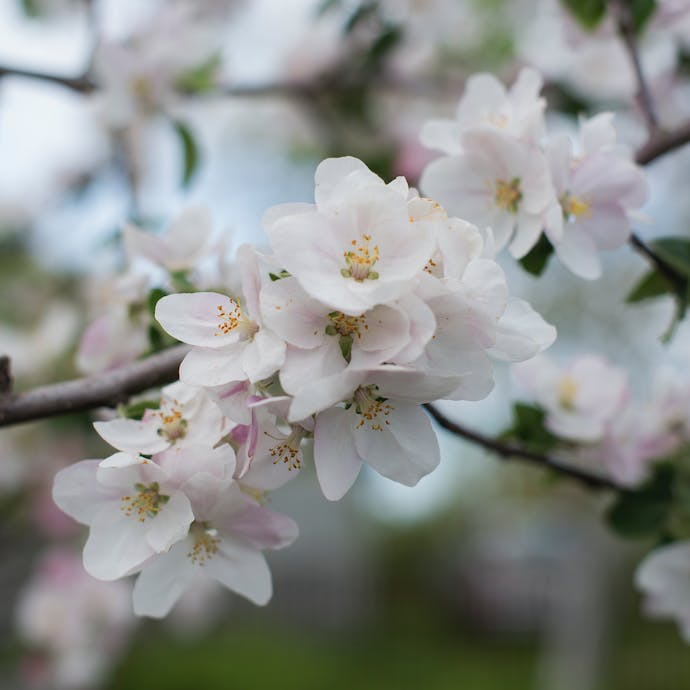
x=484, y=576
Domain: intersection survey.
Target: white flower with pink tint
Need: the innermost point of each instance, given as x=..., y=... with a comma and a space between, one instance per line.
x=357, y=247
x=664, y=579
x=225, y=543
x=230, y=341
x=596, y=191
x=183, y=245
x=497, y=181
x=580, y=398
x=77, y=625
x=486, y=103
x=135, y=507
x=186, y=416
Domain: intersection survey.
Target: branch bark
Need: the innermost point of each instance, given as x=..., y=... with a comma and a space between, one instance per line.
x=106, y=389
x=81, y=84
x=508, y=451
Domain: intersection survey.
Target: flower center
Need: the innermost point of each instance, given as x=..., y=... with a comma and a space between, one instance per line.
x=567, y=392
x=496, y=119
x=174, y=425
x=508, y=195
x=360, y=259
x=372, y=410
x=147, y=502
x=573, y=206
x=288, y=452
x=346, y=325
x=234, y=319
x=206, y=541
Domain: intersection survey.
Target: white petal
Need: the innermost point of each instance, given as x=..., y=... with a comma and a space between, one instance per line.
x=206, y=367
x=132, y=436
x=171, y=524
x=77, y=492
x=335, y=456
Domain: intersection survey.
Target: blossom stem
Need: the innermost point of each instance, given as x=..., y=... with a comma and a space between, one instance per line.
x=82, y=83
x=107, y=389
x=509, y=451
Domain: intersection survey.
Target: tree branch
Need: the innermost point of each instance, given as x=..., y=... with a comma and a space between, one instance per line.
x=662, y=143
x=626, y=30
x=107, y=389
x=82, y=84
x=508, y=451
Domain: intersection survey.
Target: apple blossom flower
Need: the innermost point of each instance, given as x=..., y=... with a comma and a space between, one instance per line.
x=486, y=103
x=596, y=192
x=77, y=624
x=580, y=398
x=496, y=181
x=135, y=507
x=357, y=247
x=186, y=416
x=664, y=578
x=225, y=543
x=230, y=341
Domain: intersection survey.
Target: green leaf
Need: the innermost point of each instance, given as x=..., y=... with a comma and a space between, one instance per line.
x=190, y=151
x=385, y=42
x=181, y=281
x=153, y=298
x=279, y=276
x=136, y=410
x=536, y=259
x=675, y=251
x=641, y=12
x=156, y=339
x=588, y=12
x=361, y=13
x=201, y=79
x=644, y=512
x=652, y=284
x=528, y=428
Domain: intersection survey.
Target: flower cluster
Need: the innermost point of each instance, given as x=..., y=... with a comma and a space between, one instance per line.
x=500, y=170
x=372, y=302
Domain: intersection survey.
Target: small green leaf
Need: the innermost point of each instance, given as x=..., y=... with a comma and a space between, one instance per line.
x=536, y=259
x=675, y=251
x=644, y=512
x=278, y=276
x=528, y=428
x=190, y=151
x=345, y=343
x=181, y=281
x=361, y=13
x=136, y=410
x=385, y=42
x=201, y=79
x=641, y=12
x=588, y=12
x=652, y=284
x=153, y=298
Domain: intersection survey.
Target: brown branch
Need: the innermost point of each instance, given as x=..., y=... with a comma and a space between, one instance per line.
x=107, y=389
x=508, y=451
x=626, y=29
x=662, y=143
x=81, y=84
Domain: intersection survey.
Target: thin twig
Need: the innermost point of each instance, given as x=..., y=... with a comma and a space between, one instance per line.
x=106, y=389
x=509, y=451
x=626, y=30
x=662, y=143
x=82, y=83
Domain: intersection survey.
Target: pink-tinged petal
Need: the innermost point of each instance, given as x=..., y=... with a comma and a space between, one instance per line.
x=171, y=524
x=295, y=316
x=332, y=175
x=242, y=569
x=248, y=266
x=403, y=448
x=122, y=460
x=311, y=399
x=412, y=384
x=77, y=492
x=335, y=456
x=559, y=157
x=262, y=528
x=206, y=367
x=263, y=356
x=275, y=213
x=231, y=398
x=607, y=224
x=304, y=367
x=598, y=133
x=132, y=436
x=116, y=545
x=422, y=326
x=205, y=319
x=527, y=233
x=183, y=462
x=606, y=178
x=521, y=333
x=162, y=582
x=484, y=94
x=579, y=253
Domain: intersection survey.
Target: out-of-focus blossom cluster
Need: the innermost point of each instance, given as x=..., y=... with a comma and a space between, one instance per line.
x=500, y=169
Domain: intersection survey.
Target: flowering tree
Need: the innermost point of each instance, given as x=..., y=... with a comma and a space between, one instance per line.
x=333, y=345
